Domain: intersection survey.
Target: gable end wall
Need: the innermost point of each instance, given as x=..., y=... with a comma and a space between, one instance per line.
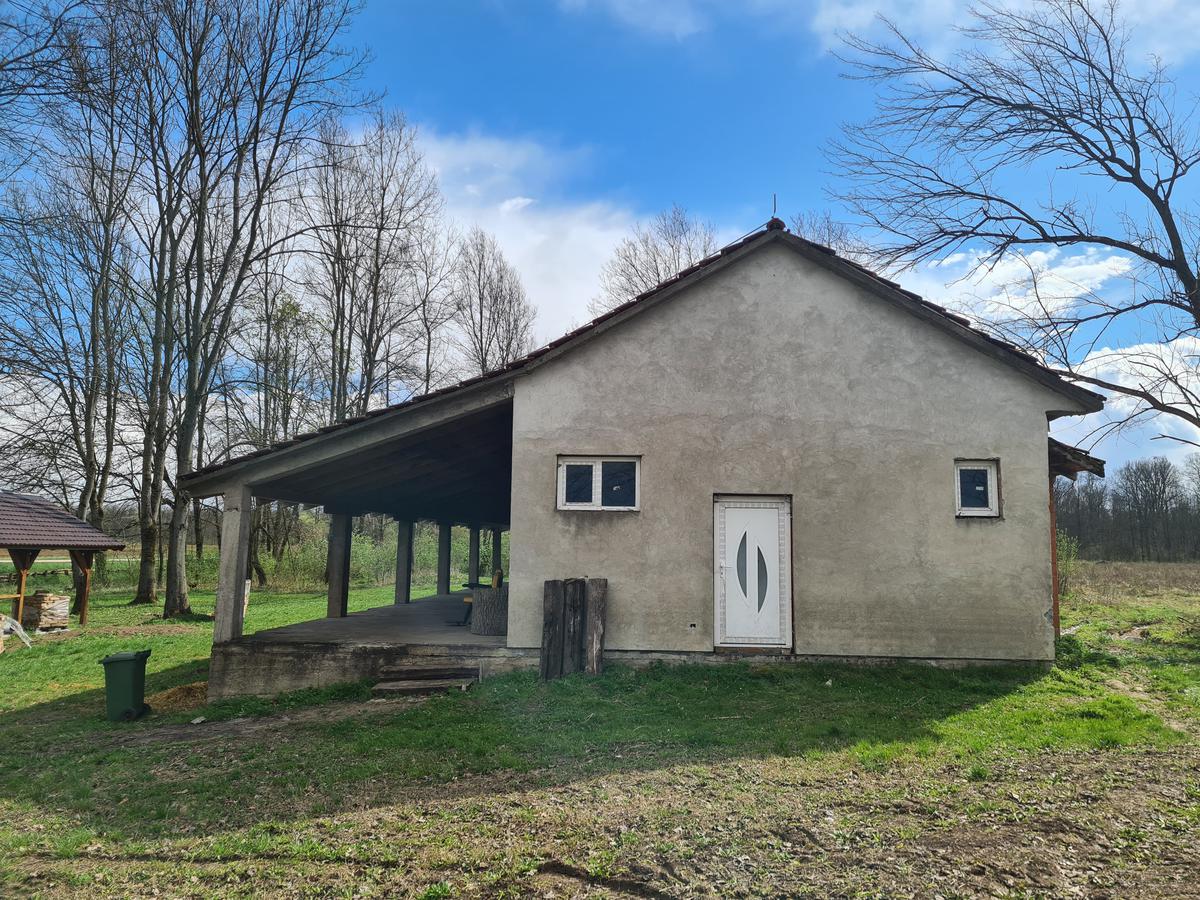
x=777, y=377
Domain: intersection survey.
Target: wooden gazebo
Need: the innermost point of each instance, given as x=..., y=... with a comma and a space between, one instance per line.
x=29, y=525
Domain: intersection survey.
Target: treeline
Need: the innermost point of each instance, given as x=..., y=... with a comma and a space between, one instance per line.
x=1148, y=510
x=210, y=241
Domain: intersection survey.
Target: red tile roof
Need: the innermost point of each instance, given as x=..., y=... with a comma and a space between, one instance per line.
x=34, y=523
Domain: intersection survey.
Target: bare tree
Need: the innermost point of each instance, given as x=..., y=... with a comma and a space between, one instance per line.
x=494, y=319
x=1043, y=94
x=233, y=92
x=371, y=202
x=822, y=228
x=66, y=289
x=431, y=275
x=37, y=41
x=668, y=244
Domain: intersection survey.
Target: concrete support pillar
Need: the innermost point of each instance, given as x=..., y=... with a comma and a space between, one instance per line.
x=235, y=555
x=473, y=556
x=443, y=568
x=339, y=565
x=497, y=549
x=404, y=545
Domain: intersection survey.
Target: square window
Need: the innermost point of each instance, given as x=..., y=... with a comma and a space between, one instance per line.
x=599, y=482
x=578, y=488
x=977, y=487
x=618, y=483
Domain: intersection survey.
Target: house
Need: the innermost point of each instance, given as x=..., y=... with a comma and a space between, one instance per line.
x=775, y=452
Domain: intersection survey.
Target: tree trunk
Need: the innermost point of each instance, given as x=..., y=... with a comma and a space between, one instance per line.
x=147, y=590
x=489, y=613
x=177, y=587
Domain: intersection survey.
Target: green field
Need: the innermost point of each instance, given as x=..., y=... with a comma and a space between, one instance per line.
x=727, y=780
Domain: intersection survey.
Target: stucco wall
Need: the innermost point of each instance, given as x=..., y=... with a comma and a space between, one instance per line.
x=775, y=376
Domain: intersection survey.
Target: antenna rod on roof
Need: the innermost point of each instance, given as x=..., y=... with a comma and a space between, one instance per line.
x=774, y=204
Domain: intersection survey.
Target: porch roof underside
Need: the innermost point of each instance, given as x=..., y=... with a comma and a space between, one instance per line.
x=457, y=471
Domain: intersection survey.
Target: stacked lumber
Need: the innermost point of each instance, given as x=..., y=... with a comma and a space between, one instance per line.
x=573, y=616
x=46, y=610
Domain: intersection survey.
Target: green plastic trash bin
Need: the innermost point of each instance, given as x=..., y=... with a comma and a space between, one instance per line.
x=125, y=685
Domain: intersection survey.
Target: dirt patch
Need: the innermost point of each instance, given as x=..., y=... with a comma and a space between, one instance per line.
x=177, y=699
x=151, y=733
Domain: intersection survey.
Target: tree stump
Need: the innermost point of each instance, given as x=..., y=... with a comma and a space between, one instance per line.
x=489, y=613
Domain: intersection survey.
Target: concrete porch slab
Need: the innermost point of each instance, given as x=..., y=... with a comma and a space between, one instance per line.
x=362, y=645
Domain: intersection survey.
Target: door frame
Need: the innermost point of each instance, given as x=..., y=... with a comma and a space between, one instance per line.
x=781, y=502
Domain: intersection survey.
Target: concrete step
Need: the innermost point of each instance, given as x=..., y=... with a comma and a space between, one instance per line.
x=421, y=686
x=429, y=672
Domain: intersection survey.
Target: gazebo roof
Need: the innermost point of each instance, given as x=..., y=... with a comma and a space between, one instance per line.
x=34, y=523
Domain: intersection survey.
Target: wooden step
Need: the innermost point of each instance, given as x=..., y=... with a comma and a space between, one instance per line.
x=421, y=686
x=429, y=672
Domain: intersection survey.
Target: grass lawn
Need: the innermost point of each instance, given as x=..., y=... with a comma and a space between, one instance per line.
x=715, y=781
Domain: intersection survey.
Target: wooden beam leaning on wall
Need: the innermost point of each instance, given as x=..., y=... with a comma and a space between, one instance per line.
x=552, y=631
x=573, y=619
x=597, y=611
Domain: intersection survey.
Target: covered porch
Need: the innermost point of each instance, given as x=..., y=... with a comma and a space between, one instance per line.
x=445, y=459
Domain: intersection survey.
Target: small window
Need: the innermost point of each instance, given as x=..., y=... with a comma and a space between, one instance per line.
x=977, y=484
x=598, y=482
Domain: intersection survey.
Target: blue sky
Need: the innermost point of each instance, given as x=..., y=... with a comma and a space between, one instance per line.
x=558, y=125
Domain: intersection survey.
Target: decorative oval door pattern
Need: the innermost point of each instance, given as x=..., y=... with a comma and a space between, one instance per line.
x=763, y=576
x=752, y=581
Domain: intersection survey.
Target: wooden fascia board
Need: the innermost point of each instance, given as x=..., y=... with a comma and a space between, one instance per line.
x=363, y=435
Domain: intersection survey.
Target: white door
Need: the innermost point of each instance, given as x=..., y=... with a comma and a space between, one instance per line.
x=752, y=572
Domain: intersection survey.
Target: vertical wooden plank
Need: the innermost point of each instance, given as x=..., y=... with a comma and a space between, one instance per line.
x=404, y=544
x=234, y=559
x=552, y=630
x=473, y=556
x=340, y=534
x=593, y=637
x=574, y=609
x=443, y=569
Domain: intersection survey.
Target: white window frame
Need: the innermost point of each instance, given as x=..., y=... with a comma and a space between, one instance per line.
x=596, y=462
x=992, y=511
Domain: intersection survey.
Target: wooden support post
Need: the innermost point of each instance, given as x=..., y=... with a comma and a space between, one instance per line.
x=84, y=560
x=339, y=565
x=443, y=568
x=473, y=556
x=552, y=631
x=574, y=610
x=236, y=523
x=593, y=637
x=404, y=546
x=497, y=549
x=22, y=561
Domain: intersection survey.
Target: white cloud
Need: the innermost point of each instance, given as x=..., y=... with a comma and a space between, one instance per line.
x=1141, y=365
x=1165, y=28
x=512, y=188
x=994, y=292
